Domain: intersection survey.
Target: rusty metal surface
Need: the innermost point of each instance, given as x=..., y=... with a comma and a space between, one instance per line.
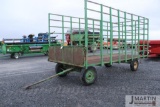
x=78, y=55
x=68, y=55
x=50, y=53
x=57, y=53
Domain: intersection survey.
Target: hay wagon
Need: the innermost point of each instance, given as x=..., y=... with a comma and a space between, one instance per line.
x=110, y=23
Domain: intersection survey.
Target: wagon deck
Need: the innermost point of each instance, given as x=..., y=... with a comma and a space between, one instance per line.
x=76, y=56
x=96, y=59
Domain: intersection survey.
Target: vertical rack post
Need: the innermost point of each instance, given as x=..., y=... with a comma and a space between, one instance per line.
x=122, y=37
x=107, y=37
x=135, y=37
x=93, y=40
x=111, y=37
x=93, y=32
x=71, y=34
x=79, y=30
x=86, y=32
x=144, y=42
x=138, y=36
x=62, y=35
x=119, y=45
x=101, y=36
x=49, y=29
x=132, y=34
x=63, y=30
x=147, y=36
x=125, y=24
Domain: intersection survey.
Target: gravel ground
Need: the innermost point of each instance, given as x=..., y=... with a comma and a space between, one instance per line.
x=109, y=90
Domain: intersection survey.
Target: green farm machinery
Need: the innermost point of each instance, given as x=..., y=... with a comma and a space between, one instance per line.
x=18, y=47
x=0, y=46
x=77, y=37
x=110, y=23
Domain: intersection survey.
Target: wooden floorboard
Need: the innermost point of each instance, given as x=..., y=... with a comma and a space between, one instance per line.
x=95, y=59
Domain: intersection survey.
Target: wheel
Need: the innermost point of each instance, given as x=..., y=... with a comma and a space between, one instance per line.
x=134, y=65
x=20, y=54
x=88, y=76
x=46, y=53
x=12, y=55
x=16, y=55
x=108, y=65
x=59, y=68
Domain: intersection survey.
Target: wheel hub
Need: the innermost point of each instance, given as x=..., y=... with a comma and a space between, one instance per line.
x=90, y=76
x=135, y=65
x=16, y=55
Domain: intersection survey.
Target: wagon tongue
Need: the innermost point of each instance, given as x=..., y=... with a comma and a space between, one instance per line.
x=65, y=71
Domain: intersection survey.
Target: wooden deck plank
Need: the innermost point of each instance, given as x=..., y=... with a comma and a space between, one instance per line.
x=94, y=59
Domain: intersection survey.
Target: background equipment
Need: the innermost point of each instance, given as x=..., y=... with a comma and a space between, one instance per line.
x=30, y=44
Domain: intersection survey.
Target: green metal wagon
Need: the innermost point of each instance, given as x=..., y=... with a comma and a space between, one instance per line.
x=16, y=48
x=110, y=23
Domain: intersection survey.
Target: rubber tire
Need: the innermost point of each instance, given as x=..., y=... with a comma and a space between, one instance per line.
x=12, y=56
x=16, y=55
x=83, y=75
x=108, y=65
x=132, y=64
x=59, y=68
x=46, y=53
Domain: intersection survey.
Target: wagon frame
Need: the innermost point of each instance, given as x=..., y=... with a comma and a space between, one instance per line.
x=130, y=27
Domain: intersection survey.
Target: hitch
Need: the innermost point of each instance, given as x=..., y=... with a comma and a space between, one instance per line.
x=65, y=71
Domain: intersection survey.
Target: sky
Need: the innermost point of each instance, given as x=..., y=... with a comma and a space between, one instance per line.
x=24, y=17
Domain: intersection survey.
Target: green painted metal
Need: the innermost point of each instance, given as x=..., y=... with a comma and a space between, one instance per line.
x=122, y=35
x=4, y=49
x=63, y=30
x=112, y=26
x=111, y=37
x=93, y=32
x=119, y=57
x=101, y=35
x=24, y=48
x=107, y=36
x=79, y=31
x=0, y=46
x=144, y=45
x=147, y=35
x=125, y=33
x=135, y=36
x=78, y=38
x=132, y=34
x=71, y=31
x=49, y=29
x=86, y=32
x=90, y=76
x=138, y=35
x=62, y=34
x=41, y=81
